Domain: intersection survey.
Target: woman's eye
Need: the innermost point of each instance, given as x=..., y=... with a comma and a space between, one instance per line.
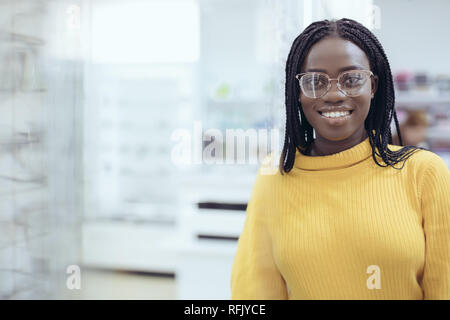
x=317, y=82
x=352, y=81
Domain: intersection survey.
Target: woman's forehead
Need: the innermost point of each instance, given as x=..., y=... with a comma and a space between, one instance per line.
x=333, y=54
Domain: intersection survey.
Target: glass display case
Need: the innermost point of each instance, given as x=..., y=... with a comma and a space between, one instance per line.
x=40, y=82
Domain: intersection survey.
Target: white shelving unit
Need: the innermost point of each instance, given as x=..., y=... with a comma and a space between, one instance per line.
x=208, y=237
x=432, y=103
x=128, y=245
x=421, y=100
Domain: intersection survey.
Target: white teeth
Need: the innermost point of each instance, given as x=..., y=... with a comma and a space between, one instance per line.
x=335, y=114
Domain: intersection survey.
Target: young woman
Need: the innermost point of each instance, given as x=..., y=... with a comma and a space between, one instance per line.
x=349, y=215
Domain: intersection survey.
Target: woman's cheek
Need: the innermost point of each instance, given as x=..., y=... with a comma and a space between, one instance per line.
x=309, y=112
x=364, y=105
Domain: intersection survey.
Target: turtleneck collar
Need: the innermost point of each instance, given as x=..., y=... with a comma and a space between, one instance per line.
x=343, y=159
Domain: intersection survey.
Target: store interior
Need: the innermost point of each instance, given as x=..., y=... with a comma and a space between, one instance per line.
x=100, y=96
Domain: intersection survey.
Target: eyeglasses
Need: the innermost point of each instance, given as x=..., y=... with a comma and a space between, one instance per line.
x=317, y=84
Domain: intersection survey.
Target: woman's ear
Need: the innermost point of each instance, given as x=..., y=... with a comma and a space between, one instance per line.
x=374, y=80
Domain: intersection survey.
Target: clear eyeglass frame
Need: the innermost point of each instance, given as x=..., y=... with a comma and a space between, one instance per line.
x=299, y=76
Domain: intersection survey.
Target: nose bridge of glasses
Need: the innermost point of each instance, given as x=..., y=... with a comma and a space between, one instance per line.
x=330, y=85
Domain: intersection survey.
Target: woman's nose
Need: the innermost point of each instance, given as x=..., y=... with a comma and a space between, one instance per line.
x=334, y=94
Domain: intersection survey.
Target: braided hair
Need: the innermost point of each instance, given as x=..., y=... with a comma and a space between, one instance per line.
x=299, y=132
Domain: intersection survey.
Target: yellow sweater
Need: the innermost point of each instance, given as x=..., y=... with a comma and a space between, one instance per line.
x=341, y=227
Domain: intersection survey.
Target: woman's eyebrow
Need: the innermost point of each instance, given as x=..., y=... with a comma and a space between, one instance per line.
x=353, y=67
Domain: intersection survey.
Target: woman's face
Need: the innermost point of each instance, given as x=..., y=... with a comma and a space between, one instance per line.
x=332, y=56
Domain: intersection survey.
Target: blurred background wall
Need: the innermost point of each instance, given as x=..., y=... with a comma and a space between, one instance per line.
x=97, y=95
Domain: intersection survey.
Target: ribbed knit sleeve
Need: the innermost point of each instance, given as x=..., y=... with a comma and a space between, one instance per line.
x=435, y=200
x=254, y=273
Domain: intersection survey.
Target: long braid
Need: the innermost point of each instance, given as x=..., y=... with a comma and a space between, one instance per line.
x=397, y=128
x=299, y=132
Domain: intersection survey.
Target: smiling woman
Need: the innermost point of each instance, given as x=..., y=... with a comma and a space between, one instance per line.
x=326, y=49
x=339, y=208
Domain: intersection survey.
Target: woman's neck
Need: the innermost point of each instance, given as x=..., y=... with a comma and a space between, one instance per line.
x=325, y=147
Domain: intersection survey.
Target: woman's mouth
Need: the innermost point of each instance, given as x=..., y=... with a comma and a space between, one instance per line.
x=336, y=114
x=336, y=117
